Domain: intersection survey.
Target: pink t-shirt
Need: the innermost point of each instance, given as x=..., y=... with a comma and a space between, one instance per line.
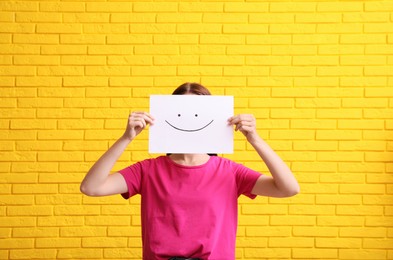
x=189, y=211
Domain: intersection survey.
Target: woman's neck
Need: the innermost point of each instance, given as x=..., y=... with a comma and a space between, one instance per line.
x=189, y=159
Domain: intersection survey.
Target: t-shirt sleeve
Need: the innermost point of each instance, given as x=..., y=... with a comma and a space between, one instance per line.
x=245, y=180
x=133, y=177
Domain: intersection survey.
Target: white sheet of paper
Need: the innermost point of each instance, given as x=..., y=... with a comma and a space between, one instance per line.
x=191, y=124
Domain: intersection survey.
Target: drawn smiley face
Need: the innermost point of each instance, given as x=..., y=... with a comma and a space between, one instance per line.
x=203, y=126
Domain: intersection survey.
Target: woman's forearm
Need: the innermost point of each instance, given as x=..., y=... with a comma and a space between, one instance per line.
x=100, y=171
x=283, y=178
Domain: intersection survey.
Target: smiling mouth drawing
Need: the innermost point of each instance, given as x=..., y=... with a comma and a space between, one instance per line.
x=189, y=130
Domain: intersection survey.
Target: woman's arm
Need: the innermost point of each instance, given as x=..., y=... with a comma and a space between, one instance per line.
x=99, y=181
x=282, y=183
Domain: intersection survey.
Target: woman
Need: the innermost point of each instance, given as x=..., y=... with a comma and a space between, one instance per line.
x=189, y=201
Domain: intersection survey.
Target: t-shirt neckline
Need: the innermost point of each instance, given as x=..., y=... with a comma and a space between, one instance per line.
x=188, y=166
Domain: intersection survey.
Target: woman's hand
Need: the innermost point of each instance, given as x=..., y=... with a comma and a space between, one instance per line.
x=246, y=124
x=137, y=121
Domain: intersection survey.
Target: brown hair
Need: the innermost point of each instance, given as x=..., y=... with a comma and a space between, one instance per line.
x=191, y=88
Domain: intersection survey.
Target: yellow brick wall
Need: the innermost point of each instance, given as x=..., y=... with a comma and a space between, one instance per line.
x=318, y=75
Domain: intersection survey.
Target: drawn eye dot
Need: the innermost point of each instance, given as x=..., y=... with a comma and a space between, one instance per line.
x=196, y=115
x=179, y=115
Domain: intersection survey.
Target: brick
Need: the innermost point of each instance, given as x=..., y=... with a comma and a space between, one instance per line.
x=340, y=28
x=85, y=18
x=224, y=82
x=38, y=81
x=76, y=210
x=312, y=210
x=129, y=39
x=62, y=7
x=222, y=39
x=153, y=70
x=340, y=71
x=60, y=92
x=360, y=124
x=245, y=29
x=83, y=81
x=377, y=92
x=16, y=222
x=254, y=253
x=107, y=71
x=59, y=221
x=57, y=242
x=377, y=243
x=176, y=17
x=163, y=60
x=201, y=7
x=111, y=7
x=340, y=7
x=291, y=242
x=315, y=39
x=17, y=243
x=288, y=71
x=362, y=146
x=130, y=60
x=110, y=50
x=105, y=28
x=378, y=28
x=224, y=18
x=377, y=113
x=17, y=70
x=153, y=28
x=64, y=113
x=64, y=49
x=293, y=28
x=17, y=28
x=378, y=156
x=314, y=166
x=58, y=28
x=362, y=39
x=202, y=49
x=34, y=188
x=268, y=39
x=246, y=7
x=98, y=242
x=79, y=253
x=269, y=232
x=60, y=157
x=317, y=103
x=107, y=220
x=341, y=49
x=33, y=254
x=362, y=254
x=199, y=70
x=58, y=199
x=366, y=102
x=86, y=102
x=82, y=231
x=315, y=60
x=362, y=188
x=315, y=231
x=340, y=221
x=60, y=70
x=340, y=113
x=81, y=39
x=338, y=242
x=318, y=18
x=264, y=60
x=29, y=210
x=132, y=253
x=339, y=199
x=362, y=232
x=175, y=39
x=155, y=7
x=379, y=49
x=198, y=28
x=314, y=253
